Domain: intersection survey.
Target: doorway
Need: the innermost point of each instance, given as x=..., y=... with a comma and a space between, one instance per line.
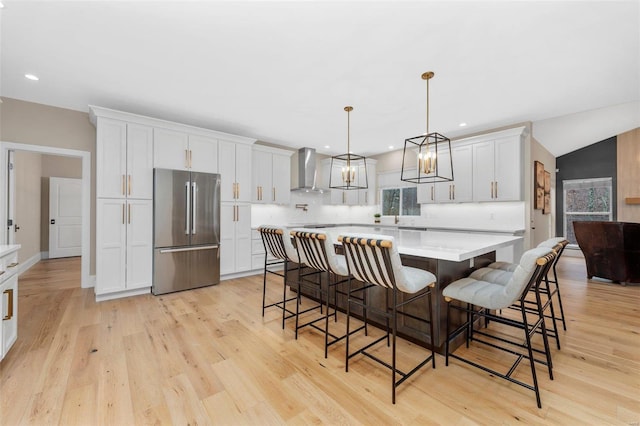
x=5, y=153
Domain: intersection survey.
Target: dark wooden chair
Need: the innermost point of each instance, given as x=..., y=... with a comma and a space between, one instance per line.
x=611, y=249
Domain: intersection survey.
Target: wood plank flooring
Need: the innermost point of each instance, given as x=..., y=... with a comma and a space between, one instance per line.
x=207, y=356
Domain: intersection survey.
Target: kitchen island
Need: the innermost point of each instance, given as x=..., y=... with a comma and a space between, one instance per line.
x=448, y=255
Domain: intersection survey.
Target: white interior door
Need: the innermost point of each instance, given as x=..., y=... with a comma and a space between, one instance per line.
x=65, y=217
x=11, y=199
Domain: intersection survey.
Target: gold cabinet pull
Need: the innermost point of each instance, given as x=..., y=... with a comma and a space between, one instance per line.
x=129, y=186
x=123, y=185
x=274, y=193
x=343, y=198
x=496, y=186
x=491, y=189
x=186, y=158
x=454, y=192
x=449, y=191
x=123, y=214
x=237, y=190
x=190, y=159
x=129, y=214
x=9, y=292
x=432, y=191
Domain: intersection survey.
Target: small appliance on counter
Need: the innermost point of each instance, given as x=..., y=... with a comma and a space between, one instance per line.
x=186, y=224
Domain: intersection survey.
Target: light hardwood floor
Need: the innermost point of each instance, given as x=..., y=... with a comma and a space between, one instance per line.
x=207, y=356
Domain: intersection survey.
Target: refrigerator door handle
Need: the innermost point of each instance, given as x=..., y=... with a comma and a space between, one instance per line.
x=189, y=249
x=188, y=207
x=194, y=206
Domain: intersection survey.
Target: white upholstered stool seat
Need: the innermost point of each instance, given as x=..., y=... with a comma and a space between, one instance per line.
x=481, y=296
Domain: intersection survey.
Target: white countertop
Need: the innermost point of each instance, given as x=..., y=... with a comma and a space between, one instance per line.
x=6, y=249
x=445, y=245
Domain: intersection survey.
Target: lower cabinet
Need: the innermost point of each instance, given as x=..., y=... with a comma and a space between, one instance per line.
x=124, y=245
x=235, y=238
x=9, y=293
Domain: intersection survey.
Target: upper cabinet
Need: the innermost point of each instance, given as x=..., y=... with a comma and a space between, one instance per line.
x=124, y=159
x=181, y=151
x=460, y=189
x=235, y=171
x=487, y=167
x=271, y=175
x=497, y=169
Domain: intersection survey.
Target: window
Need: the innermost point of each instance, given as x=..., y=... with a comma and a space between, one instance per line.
x=400, y=202
x=586, y=199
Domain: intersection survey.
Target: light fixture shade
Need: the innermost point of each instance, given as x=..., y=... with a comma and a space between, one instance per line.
x=427, y=159
x=348, y=171
x=423, y=156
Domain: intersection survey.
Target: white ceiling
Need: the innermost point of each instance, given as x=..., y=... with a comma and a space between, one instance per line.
x=282, y=72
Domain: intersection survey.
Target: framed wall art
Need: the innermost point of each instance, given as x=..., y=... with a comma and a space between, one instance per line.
x=538, y=185
x=547, y=193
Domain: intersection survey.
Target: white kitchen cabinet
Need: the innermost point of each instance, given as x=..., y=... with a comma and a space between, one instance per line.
x=9, y=294
x=235, y=171
x=461, y=188
x=497, y=169
x=235, y=238
x=179, y=150
x=426, y=193
x=281, y=193
x=367, y=197
x=124, y=162
x=124, y=250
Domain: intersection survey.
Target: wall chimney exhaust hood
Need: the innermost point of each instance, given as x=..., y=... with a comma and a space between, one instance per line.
x=307, y=171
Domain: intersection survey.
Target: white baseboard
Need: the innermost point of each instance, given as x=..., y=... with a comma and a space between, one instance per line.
x=91, y=283
x=120, y=294
x=45, y=255
x=25, y=265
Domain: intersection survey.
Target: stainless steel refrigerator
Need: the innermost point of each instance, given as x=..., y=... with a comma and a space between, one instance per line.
x=186, y=223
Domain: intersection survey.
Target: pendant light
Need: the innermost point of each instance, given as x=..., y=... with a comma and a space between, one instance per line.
x=421, y=154
x=348, y=171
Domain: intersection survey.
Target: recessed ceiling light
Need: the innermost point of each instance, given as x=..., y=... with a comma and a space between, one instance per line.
x=327, y=147
x=390, y=146
x=1, y=5
x=463, y=124
x=31, y=77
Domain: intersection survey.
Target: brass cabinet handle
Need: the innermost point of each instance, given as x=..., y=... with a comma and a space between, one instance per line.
x=343, y=198
x=432, y=191
x=129, y=214
x=454, y=191
x=129, y=188
x=123, y=214
x=13, y=265
x=258, y=193
x=186, y=158
x=491, y=189
x=274, y=193
x=9, y=292
x=190, y=159
x=449, y=191
x=123, y=185
x=496, y=186
x=237, y=190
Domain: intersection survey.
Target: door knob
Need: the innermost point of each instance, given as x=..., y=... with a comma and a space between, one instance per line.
x=16, y=227
x=53, y=221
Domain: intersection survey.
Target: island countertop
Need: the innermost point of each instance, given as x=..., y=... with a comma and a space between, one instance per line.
x=443, y=245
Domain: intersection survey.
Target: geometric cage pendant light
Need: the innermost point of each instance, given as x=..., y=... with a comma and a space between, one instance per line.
x=348, y=171
x=421, y=155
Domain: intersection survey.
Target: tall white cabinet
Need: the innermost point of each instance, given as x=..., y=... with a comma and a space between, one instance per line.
x=235, y=161
x=128, y=148
x=124, y=208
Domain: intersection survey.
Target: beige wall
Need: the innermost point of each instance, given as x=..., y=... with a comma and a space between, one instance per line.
x=628, y=164
x=542, y=225
x=27, y=166
x=54, y=166
x=36, y=124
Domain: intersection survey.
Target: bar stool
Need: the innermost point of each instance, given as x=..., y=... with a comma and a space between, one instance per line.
x=481, y=297
x=316, y=250
x=279, y=251
x=558, y=244
x=374, y=259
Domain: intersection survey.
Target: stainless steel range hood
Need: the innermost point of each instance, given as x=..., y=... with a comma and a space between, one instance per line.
x=307, y=171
